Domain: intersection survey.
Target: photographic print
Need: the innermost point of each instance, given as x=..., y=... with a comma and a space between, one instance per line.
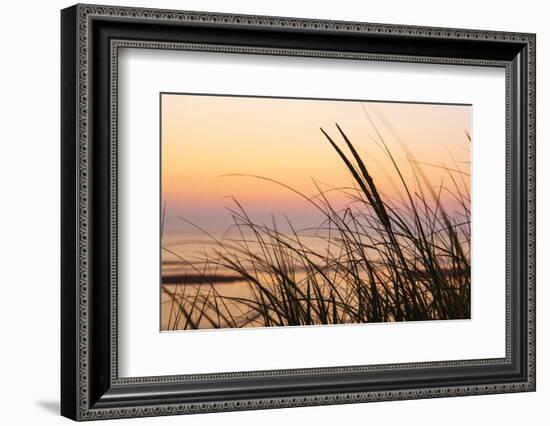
x=303, y=212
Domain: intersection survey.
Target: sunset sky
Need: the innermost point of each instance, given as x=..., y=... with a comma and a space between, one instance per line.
x=207, y=137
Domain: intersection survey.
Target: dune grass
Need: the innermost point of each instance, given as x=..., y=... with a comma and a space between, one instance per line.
x=384, y=260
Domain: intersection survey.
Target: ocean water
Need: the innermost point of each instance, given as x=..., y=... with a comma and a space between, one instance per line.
x=191, y=271
x=195, y=277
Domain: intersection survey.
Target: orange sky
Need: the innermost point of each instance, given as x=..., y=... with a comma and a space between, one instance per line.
x=206, y=137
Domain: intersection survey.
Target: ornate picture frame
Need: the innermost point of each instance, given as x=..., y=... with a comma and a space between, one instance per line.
x=91, y=38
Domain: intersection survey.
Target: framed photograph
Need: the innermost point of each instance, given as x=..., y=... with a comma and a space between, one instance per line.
x=263, y=212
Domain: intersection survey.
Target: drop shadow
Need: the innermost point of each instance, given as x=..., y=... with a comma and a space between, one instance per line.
x=50, y=406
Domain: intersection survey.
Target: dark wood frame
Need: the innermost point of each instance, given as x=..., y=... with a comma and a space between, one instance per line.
x=90, y=386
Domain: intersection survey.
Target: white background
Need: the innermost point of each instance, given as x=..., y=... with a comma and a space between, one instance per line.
x=141, y=346
x=29, y=217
